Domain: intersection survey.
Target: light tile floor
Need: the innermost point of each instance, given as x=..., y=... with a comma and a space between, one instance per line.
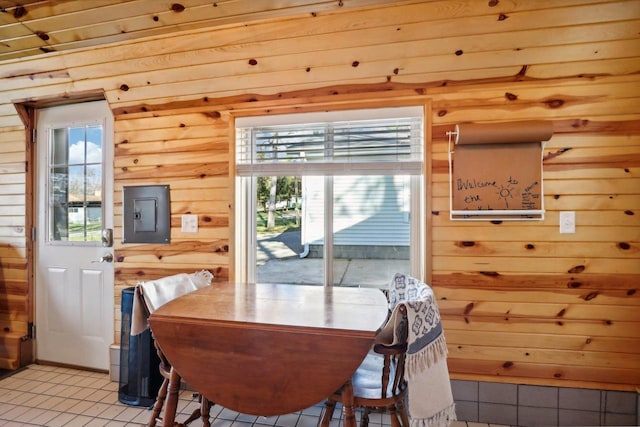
x=42, y=395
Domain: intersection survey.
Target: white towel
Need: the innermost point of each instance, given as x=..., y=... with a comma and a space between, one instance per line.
x=152, y=294
x=429, y=387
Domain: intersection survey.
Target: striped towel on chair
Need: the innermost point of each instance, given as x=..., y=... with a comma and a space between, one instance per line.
x=430, y=398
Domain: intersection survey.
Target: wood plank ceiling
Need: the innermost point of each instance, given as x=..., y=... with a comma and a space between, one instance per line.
x=32, y=27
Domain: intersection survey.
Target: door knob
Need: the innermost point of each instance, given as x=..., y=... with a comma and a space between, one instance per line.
x=106, y=258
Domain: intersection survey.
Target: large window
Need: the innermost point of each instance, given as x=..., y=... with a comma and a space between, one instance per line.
x=330, y=198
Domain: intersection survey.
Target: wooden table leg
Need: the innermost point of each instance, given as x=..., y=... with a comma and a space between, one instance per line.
x=171, y=403
x=205, y=410
x=347, y=405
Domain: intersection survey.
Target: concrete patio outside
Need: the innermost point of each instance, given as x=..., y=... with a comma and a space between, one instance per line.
x=279, y=261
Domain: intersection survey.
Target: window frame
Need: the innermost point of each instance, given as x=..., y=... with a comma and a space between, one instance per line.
x=244, y=257
x=48, y=186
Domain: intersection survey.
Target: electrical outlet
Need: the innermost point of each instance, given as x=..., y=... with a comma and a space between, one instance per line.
x=189, y=223
x=567, y=222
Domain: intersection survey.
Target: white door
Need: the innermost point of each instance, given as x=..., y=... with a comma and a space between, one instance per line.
x=74, y=289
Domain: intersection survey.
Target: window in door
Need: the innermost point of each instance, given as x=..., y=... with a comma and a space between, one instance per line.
x=75, y=184
x=331, y=198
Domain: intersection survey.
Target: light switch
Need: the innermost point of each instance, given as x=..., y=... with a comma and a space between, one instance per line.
x=189, y=223
x=567, y=222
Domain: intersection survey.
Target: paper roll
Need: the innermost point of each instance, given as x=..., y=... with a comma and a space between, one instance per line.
x=501, y=133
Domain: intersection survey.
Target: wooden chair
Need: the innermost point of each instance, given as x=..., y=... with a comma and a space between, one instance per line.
x=378, y=383
x=171, y=377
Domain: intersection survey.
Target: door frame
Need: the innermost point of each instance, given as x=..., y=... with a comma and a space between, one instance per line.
x=26, y=109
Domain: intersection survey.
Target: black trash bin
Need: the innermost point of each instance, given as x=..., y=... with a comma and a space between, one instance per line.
x=140, y=377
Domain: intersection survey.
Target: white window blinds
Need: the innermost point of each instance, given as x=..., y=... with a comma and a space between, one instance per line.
x=358, y=146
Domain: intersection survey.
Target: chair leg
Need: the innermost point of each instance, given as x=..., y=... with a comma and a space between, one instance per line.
x=330, y=405
x=171, y=406
x=394, y=417
x=364, y=421
x=402, y=409
x=157, y=407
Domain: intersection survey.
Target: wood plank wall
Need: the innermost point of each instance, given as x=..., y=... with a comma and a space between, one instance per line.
x=13, y=253
x=543, y=306
x=190, y=152
x=520, y=301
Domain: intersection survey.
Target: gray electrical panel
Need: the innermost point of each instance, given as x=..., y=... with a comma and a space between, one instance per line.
x=146, y=214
